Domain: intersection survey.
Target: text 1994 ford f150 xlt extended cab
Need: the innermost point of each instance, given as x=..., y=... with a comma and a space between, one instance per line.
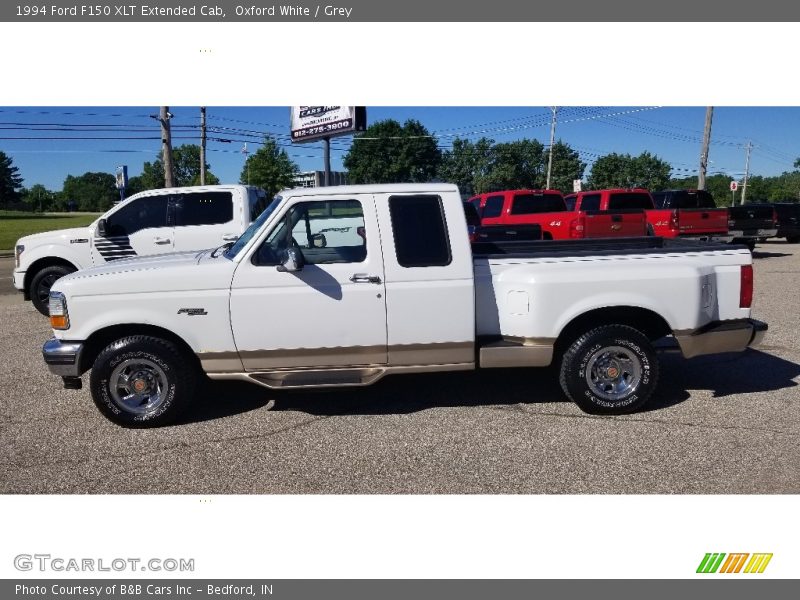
x=340, y=286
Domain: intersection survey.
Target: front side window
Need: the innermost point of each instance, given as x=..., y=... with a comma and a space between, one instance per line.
x=142, y=213
x=420, y=231
x=327, y=232
x=204, y=208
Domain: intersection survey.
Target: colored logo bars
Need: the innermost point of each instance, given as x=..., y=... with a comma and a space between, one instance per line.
x=734, y=562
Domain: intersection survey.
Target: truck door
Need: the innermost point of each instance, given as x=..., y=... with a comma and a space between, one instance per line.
x=139, y=228
x=206, y=219
x=330, y=313
x=429, y=280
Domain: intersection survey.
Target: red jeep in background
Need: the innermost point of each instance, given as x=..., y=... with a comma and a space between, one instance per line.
x=548, y=209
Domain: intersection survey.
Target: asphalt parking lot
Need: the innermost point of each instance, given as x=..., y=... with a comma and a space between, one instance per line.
x=722, y=424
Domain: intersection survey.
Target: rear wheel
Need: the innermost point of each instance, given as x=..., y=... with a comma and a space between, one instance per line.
x=142, y=381
x=41, y=283
x=609, y=370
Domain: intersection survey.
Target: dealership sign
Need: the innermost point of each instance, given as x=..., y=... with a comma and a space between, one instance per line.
x=316, y=122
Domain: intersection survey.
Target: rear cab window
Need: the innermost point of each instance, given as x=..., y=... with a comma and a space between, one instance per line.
x=528, y=204
x=630, y=200
x=203, y=208
x=420, y=231
x=590, y=202
x=493, y=207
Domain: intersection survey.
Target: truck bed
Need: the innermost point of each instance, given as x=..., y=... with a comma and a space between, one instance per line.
x=591, y=247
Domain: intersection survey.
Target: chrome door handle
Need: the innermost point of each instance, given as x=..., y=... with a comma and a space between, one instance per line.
x=230, y=237
x=161, y=241
x=364, y=278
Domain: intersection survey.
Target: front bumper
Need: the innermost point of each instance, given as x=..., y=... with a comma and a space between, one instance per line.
x=63, y=358
x=19, y=280
x=722, y=336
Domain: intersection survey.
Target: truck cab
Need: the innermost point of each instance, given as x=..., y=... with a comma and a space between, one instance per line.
x=151, y=222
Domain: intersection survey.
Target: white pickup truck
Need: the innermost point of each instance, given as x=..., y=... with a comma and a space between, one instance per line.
x=151, y=222
x=340, y=286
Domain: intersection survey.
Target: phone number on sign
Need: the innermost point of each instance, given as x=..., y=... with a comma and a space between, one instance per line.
x=322, y=129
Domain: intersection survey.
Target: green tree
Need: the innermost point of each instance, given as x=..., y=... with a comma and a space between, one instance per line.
x=567, y=166
x=623, y=170
x=269, y=167
x=465, y=163
x=484, y=166
x=93, y=192
x=39, y=198
x=387, y=152
x=514, y=165
x=10, y=180
x=186, y=161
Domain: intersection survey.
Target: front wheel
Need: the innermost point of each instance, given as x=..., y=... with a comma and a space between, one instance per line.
x=609, y=370
x=42, y=282
x=142, y=381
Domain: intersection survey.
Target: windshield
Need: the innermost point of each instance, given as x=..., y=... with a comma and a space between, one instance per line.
x=253, y=229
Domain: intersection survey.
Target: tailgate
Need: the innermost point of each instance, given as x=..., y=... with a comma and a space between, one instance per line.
x=751, y=218
x=702, y=220
x=615, y=223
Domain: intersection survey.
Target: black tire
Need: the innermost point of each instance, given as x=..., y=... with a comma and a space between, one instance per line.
x=751, y=244
x=166, y=375
x=650, y=230
x=41, y=283
x=793, y=239
x=600, y=392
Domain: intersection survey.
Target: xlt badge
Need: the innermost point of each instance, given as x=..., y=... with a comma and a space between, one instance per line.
x=192, y=311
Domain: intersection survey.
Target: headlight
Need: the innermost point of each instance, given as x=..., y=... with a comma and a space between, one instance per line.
x=59, y=316
x=17, y=252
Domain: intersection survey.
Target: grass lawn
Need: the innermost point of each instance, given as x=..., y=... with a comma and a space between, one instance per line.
x=13, y=224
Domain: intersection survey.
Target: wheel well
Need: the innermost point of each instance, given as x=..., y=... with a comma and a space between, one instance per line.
x=102, y=338
x=651, y=324
x=546, y=235
x=42, y=263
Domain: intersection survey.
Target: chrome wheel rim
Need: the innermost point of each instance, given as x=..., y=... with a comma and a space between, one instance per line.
x=138, y=386
x=613, y=373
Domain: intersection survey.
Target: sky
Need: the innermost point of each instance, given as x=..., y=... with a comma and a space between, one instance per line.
x=49, y=143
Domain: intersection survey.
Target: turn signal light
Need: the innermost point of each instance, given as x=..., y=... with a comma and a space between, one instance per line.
x=59, y=322
x=746, y=287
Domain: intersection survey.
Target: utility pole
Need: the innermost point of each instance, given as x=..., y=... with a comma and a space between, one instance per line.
x=746, y=171
x=701, y=176
x=202, y=145
x=552, y=141
x=246, y=153
x=327, y=141
x=166, y=147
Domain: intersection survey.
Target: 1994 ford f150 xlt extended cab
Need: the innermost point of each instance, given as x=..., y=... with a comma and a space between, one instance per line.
x=340, y=286
x=151, y=222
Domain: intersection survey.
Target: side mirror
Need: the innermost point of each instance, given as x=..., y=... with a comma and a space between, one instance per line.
x=318, y=240
x=101, y=228
x=291, y=260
